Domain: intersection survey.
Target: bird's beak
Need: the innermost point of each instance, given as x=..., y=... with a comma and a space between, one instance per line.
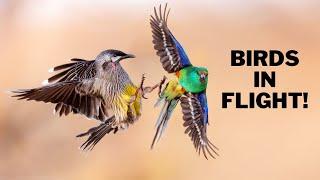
x=127, y=56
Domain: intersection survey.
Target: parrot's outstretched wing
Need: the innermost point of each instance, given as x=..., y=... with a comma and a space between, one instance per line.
x=172, y=55
x=195, y=116
x=73, y=96
x=78, y=70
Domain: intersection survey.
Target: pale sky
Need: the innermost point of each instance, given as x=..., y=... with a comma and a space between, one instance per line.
x=41, y=11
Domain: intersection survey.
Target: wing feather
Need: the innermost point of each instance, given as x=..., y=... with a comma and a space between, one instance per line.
x=172, y=54
x=69, y=96
x=79, y=69
x=195, y=120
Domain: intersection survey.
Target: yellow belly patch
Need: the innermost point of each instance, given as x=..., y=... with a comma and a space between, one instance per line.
x=127, y=98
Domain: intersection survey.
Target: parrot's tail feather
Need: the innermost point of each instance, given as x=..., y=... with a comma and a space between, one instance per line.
x=97, y=133
x=159, y=101
x=163, y=113
x=163, y=119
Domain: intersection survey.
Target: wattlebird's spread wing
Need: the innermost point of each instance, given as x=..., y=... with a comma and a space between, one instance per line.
x=195, y=116
x=77, y=70
x=70, y=96
x=172, y=55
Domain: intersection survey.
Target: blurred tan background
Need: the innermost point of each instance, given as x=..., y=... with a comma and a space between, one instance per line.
x=282, y=144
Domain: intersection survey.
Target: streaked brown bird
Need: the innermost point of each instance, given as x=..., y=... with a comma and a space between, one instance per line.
x=99, y=89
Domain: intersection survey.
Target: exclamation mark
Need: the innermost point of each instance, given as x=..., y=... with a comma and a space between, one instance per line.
x=305, y=99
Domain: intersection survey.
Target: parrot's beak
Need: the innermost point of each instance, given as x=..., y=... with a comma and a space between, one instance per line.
x=127, y=56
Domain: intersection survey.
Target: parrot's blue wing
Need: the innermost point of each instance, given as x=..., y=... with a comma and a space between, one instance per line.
x=172, y=55
x=183, y=55
x=202, y=97
x=195, y=116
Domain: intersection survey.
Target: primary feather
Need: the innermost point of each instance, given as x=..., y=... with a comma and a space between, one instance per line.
x=172, y=55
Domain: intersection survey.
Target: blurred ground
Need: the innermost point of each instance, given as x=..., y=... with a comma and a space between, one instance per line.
x=254, y=144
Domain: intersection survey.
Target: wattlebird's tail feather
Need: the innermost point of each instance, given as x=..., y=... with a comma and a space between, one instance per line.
x=97, y=133
x=164, y=117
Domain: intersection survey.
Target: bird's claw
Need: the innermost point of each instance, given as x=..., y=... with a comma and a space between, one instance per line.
x=160, y=85
x=141, y=88
x=143, y=79
x=145, y=90
x=143, y=96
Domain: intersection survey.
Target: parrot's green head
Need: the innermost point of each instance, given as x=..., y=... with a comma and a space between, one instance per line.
x=193, y=79
x=203, y=75
x=111, y=58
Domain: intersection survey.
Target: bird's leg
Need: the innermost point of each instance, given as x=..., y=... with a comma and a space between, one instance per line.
x=150, y=89
x=139, y=90
x=161, y=84
x=130, y=115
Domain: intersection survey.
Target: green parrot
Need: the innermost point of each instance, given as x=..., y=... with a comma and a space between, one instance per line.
x=188, y=88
